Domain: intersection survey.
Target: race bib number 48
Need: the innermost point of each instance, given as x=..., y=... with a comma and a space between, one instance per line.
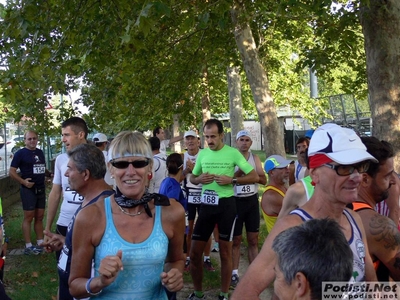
x=248, y=189
x=210, y=198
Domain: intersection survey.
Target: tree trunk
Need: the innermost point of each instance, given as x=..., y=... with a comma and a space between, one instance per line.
x=258, y=81
x=176, y=132
x=380, y=21
x=205, y=103
x=235, y=102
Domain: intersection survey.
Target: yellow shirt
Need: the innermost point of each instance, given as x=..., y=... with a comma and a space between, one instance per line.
x=271, y=220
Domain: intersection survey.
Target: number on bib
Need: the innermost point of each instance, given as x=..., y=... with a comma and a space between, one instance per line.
x=210, y=198
x=194, y=197
x=248, y=189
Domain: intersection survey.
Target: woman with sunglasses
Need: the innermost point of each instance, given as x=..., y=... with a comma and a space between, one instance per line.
x=135, y=238
x=171, y=188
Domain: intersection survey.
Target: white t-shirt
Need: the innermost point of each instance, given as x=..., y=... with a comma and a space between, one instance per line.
x=71, y=199
x=159, y=172
x=107, y=177
x=163, y=146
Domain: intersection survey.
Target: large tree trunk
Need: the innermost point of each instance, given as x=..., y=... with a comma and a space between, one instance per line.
x=380, y=21
x=235, y=102
x=258, y=81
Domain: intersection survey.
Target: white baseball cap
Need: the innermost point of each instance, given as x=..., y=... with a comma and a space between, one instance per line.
x=190, y=133
x=99, y=138
x=243, y=133
x=340, y=144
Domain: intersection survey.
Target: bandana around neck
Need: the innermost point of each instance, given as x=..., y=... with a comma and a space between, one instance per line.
x=126, y=202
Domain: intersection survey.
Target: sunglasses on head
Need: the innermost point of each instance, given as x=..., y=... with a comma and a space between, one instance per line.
x=345, y=170
x=123, y=164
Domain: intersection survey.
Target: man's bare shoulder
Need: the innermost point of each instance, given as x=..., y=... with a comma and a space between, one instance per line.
x=271, y=196
x=284, y=223
x=379, y=227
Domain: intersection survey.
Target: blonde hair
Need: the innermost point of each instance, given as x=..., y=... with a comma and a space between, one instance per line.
x=130, y=143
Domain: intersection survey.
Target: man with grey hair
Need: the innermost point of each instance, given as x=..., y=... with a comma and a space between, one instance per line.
x=309, y=254
x=277, y=168
x=85, y=172
x=337, y=158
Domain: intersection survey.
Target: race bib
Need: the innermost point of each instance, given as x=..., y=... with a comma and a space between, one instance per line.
x=194, y=197
x=62, y=261
x=248, y=189
x=210, y=198
x=72, y=196
x=39, y=169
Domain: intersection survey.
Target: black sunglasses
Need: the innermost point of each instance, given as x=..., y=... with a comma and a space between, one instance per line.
x=345, y=170
x=123, y=164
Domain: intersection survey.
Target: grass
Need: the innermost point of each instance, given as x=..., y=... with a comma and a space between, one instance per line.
x=27, y=277
x=35, y=277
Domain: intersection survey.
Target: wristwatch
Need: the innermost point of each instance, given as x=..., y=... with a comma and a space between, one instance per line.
x=234, y=180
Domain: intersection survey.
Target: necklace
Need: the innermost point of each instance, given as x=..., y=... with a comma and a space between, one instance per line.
x=129, y=214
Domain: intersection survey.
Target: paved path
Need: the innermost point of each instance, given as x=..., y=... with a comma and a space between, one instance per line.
x=16, y=252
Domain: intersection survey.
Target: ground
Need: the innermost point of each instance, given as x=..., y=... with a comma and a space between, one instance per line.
x=212, y=294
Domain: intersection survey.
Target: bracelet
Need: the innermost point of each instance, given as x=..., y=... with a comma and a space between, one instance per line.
x=88, y=288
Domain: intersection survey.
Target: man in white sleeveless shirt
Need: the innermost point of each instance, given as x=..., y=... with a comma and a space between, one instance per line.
x=336, y=157
x=247, y=206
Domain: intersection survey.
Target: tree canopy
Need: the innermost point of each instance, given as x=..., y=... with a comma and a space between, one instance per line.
x=139, y=63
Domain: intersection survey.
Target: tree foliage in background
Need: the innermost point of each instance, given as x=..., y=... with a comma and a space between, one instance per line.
x=141, y=62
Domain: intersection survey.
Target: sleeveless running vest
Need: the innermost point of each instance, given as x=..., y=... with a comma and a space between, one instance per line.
x=193, y=192
x=143, y=262
x=382, y=208
x=356, y=244
x=382, y=272
x=64, y=261
x=246, y=190
x=271, y=220
x=299, y=171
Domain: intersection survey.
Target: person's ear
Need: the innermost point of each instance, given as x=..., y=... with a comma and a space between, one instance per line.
x=86, y=175
x=314, y=175
x=366, y=179
x=302, y=286
x=81, y=135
